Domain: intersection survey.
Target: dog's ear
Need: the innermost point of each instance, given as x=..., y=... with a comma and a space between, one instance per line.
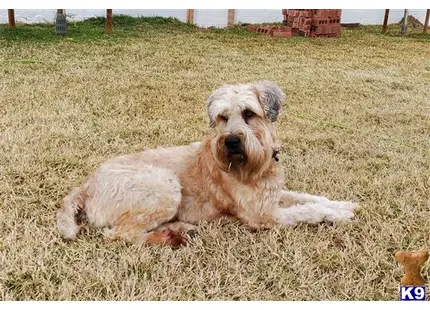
x=270, y=96
x=216, y=95
x=209, y=102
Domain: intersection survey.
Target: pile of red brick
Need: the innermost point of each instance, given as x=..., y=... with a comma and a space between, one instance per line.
x=276, y=31
x=313, y=23
x=307, y=23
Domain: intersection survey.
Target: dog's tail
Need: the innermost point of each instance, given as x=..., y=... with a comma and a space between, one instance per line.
x=72, y=214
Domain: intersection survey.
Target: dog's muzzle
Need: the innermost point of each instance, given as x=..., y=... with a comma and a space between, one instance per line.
x=233, y=145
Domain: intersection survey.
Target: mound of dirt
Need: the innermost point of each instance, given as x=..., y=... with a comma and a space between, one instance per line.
x=412, y=22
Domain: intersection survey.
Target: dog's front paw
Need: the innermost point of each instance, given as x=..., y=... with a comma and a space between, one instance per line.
x=341, y=210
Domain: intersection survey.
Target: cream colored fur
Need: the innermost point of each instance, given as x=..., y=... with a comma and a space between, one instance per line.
x=152, y=196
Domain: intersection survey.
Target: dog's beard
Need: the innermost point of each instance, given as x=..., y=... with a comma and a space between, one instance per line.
x=253, y=157
x=235, y=160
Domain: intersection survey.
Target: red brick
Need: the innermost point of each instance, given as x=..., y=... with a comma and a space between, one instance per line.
x=304, y=33
x=318, y=21
x=268, y=31
x=305, y=13
x=318, y=29
x=326, y=13
x=336, y=29
x=278, y=33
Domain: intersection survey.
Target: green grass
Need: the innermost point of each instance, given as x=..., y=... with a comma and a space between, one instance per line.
x=355, y=126
x=127, y=27
x=92, y=29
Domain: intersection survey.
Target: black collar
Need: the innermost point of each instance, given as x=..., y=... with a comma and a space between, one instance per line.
x=275, y=155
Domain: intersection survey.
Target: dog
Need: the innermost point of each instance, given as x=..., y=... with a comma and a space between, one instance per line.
x=156, y=196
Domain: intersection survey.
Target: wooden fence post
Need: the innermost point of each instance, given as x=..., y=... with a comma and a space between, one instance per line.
x=426, y=22
x=108, y=27
x=11, y=17
x=384, y=26
x=230, y=20
x=190, y=16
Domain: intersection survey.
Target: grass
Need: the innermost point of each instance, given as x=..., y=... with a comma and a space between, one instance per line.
x=355, y=126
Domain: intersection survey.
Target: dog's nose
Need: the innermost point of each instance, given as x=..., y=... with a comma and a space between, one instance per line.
x=232, y=142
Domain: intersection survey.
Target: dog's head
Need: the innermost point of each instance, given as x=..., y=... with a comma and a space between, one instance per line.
x=243, y=117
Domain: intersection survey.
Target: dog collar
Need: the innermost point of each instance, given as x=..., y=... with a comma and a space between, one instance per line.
x=275, y=155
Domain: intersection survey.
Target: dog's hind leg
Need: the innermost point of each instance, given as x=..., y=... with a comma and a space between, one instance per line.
x=138, y=227
x=128, y=199
x=179, y=227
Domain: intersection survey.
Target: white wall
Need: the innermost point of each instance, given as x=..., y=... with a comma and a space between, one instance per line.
x=258, y=16
x=48, y=16
x=376, y=17
x=206, y=18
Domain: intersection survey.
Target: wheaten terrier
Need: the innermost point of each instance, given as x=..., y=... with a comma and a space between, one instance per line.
x=154, y=196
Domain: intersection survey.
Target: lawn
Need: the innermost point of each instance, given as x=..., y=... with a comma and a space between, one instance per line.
x=355, y=126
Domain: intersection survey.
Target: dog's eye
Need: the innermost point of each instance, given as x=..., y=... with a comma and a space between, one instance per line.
x=223, y=117
x=247, y=114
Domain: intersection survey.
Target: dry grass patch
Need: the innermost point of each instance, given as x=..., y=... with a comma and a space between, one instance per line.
x=355, y=126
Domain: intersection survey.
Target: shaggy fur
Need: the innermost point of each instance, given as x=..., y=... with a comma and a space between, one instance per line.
x=153, y=196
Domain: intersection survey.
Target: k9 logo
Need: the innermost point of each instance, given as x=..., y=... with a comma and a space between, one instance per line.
x=412, y=292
